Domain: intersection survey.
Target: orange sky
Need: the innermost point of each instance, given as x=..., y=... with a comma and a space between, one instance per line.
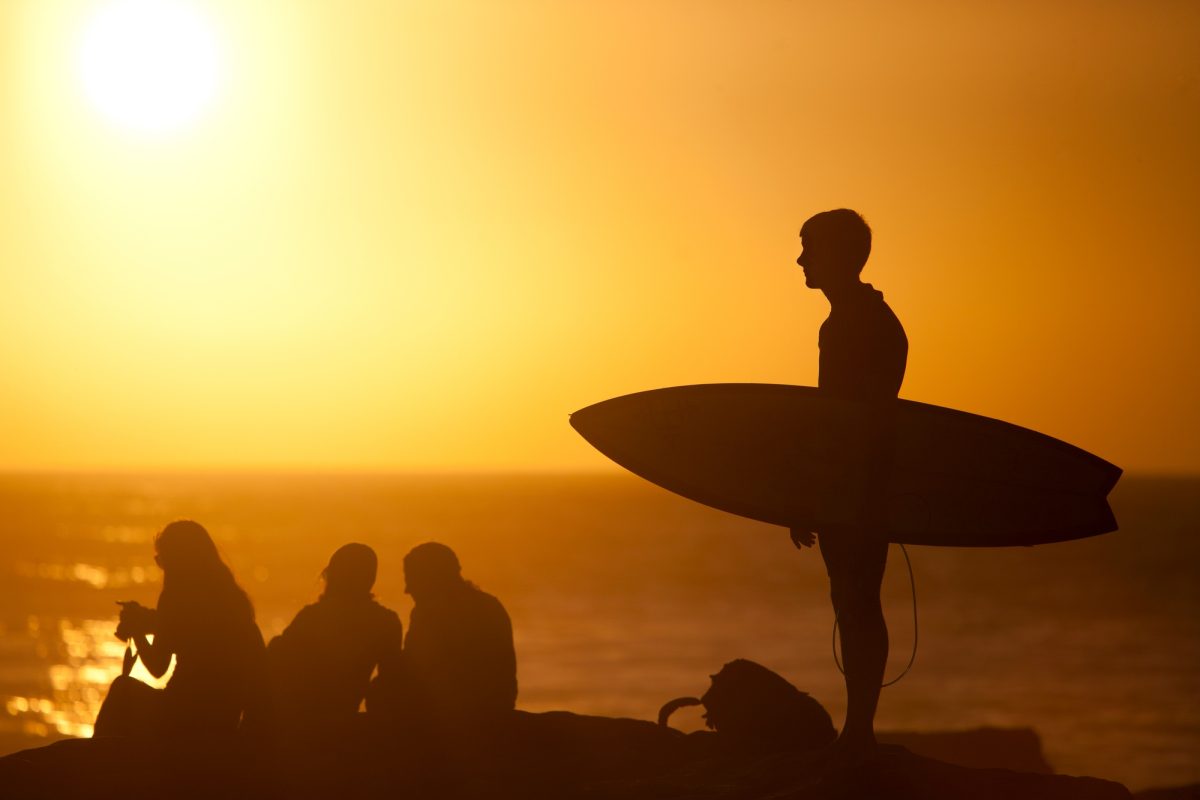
x=418, y=235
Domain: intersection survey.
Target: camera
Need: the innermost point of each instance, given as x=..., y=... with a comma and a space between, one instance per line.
x=136, y=620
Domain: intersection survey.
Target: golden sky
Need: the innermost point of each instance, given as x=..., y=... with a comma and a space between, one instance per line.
x=417, y=235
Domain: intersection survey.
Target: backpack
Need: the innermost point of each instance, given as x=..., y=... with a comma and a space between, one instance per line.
x=751, y=707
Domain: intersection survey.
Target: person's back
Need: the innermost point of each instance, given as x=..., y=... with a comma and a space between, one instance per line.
x=459, y=660
x=863, y=347
x=459, y=650
x=324, y=659
x=321, y=665
x=218, y=665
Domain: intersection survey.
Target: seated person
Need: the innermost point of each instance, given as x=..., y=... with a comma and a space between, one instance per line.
x=203, y=619
x=321, y=664
x=459, y=661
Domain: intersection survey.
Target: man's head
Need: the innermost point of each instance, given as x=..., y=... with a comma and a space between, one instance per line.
x=351, y=571
x=835, y=246
x=431, y=569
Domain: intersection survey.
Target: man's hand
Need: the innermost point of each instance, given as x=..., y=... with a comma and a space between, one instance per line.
x=802, y=538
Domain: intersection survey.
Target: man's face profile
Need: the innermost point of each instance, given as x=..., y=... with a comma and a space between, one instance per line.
x=815, y=263
x=420, y=582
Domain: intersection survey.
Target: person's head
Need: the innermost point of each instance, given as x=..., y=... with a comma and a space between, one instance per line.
x=835, y=246
x=431, y=569
x=194, y=576
x=184, y=547
x=351, y=572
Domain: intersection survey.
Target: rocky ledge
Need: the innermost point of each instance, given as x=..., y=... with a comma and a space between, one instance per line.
x=550, y=755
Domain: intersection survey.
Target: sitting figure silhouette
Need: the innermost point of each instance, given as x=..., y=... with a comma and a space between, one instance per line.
x=206, y=621
x=460, y=668
x=321, y=665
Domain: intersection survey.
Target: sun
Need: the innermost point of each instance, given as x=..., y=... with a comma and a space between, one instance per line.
x=150, y=66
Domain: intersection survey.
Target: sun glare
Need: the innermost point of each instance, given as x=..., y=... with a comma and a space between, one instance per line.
x=151, y=66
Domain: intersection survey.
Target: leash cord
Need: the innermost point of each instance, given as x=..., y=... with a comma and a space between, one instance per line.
x=913, y=657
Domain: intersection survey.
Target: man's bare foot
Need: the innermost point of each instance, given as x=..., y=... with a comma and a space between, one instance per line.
x=853, y=750
x=842, y=753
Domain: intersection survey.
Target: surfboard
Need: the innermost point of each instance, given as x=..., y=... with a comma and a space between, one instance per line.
x=794, y=456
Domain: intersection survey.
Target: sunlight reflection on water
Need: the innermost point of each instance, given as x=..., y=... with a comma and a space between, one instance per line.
x=95, y=576
x=93, y=658
x=623, y=597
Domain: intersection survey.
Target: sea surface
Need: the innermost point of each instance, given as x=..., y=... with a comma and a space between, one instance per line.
x=624, y=596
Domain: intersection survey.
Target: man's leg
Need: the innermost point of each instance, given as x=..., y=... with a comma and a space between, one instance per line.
x=855, y=563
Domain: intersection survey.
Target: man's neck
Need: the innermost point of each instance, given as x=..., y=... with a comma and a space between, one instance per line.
x=842, y=292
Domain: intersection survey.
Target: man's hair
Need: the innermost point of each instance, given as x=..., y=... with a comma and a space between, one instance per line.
x=844, y=232
x=435, y=560
x=351, y=572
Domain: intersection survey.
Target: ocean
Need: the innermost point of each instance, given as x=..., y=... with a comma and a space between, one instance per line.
x=624, y=596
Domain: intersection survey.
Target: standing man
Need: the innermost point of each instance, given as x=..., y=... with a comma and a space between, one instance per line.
x=863, y=354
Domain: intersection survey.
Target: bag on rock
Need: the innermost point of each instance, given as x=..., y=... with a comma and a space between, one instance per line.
x=749, y=706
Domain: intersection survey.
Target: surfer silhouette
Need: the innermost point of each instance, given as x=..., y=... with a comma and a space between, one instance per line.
x=863, y=351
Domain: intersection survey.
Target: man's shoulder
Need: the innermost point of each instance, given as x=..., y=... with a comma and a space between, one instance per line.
x=869, y=309
x=301, y=624
x=308, y=613
x=488, y=603
x=384, y=614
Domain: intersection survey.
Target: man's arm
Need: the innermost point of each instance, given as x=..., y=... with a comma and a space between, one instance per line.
x=499, y=670
x=392, y=645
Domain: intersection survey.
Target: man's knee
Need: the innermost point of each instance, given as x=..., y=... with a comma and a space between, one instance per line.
x=855, y=602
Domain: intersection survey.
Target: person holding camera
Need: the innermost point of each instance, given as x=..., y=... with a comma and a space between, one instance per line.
x=205, y=621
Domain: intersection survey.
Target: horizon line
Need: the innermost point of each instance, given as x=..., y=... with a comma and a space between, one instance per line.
x=283, y=471
x=398, y=472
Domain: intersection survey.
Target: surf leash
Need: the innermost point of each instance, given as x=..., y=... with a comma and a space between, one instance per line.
x=913, y=657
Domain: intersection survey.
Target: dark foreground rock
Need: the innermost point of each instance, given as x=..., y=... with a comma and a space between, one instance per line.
x=553, y=755
x=1017, y=749
x=896, y=774
x=1191, y=792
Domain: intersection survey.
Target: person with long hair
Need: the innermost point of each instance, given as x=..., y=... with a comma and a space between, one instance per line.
x=321, y=665
x=206, y=622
